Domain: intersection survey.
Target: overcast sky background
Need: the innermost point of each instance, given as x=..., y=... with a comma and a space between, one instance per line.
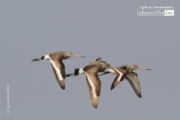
x=107, y=29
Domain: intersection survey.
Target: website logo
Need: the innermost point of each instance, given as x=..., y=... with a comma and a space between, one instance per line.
x=155, y=11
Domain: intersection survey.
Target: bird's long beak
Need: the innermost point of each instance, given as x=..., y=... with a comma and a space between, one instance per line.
x=143, y=68
x=78, y=55
x=104, y=73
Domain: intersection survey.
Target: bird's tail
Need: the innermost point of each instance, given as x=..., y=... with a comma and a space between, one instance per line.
x=38, y=59
x=78, y=71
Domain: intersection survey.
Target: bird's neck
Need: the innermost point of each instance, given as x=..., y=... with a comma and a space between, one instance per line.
x=129, y=69
x=102, y=68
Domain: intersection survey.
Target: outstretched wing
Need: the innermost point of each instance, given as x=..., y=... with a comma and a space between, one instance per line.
x=119, y=77
x=59, y=72
x=94, y=85
x=132, y=78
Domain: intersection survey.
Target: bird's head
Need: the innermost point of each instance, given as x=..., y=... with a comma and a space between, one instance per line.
x=134, y=67
x=70, y=54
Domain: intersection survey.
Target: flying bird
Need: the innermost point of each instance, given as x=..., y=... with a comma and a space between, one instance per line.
x=79, y=71
x=91, y=70
x=94, y=82
x=58, y=65
x=126, y=72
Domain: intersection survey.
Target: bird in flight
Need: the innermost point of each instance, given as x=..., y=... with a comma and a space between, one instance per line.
x=126, y=72
x=58, y=65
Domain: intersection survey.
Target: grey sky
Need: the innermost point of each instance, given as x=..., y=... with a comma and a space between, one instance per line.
x=107, y=29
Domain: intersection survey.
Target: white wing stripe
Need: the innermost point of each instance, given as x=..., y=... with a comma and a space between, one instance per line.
x=120, y=74
x=58, y=71
x=92, y=85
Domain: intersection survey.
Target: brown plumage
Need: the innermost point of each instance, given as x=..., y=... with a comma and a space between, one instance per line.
x=132, y=78
x=121, y=74
x=57, y=64
x=78, y=71
x=94, y=84
x=127, y=73
x=62, y=72
x=93, y=81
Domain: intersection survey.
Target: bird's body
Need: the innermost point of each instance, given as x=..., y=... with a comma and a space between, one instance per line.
x=126, y=72
x=98, y=61
x=93, y=81
x=91, y=70
x=58, y=65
